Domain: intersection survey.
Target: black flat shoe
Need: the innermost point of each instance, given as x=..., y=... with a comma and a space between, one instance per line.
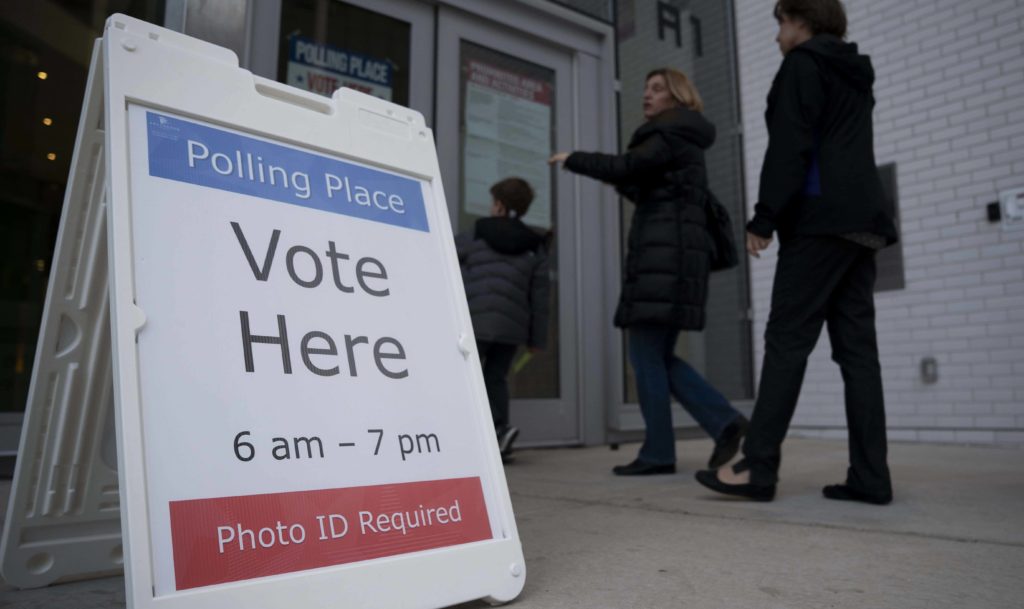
x=842, y=492
x=728, y=443
x=642, y=468
x=755, y=492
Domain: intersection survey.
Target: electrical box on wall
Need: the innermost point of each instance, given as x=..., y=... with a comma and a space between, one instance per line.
x=1011, y=203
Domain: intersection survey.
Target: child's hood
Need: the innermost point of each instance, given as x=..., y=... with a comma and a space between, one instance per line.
x=507, y=235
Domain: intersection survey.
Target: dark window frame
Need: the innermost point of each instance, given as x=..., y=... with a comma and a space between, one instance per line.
x=889, y=261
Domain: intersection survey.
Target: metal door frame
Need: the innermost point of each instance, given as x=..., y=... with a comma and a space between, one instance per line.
x=546, y=420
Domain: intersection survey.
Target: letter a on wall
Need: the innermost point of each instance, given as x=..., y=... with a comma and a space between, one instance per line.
x=255, y=384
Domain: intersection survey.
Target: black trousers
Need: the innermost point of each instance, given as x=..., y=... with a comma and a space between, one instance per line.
x=822, y=280
x=496, y=361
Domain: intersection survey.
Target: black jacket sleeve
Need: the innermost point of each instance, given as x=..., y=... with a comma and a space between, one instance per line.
x=649, y=157
x=795, y=103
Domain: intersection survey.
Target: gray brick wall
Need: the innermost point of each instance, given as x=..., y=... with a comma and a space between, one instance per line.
x=950, y=114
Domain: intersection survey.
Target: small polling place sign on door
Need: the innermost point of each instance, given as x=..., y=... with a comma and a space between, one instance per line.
x=301, y=418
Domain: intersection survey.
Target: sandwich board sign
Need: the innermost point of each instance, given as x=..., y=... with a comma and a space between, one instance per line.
x=256, y=384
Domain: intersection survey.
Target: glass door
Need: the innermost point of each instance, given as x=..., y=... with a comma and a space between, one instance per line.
x=503, y=107
x=381, y=47
x=45, y=49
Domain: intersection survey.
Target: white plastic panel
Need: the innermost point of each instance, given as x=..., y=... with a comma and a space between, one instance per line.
x=63, y=519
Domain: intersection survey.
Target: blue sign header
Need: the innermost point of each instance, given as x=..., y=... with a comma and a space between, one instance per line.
x=189, y=152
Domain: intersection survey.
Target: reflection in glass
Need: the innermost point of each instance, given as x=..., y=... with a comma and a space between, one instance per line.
x=507, y=129
x=45, y=49
x=326, y=44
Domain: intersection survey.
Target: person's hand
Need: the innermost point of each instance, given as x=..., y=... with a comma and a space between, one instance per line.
x=756, y=243
x=558, y=158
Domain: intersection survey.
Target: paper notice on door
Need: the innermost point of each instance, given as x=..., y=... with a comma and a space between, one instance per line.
x=508, y=133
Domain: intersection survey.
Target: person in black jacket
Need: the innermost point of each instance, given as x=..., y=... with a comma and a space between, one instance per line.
x=505, y=272
x=665, y=286
x=821, y=193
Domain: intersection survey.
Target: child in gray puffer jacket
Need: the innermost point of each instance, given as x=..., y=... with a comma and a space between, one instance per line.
x=505, y=272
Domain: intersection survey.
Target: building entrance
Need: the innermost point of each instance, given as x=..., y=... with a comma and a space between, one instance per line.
x=503, y=84
x=500, y=103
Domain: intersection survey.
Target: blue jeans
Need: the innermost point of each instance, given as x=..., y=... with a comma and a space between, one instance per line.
x=660, y=372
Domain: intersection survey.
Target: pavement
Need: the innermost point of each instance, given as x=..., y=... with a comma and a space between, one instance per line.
x=953, y=537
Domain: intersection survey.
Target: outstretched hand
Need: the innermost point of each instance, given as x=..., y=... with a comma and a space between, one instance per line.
x=757, y=243
x=558, y=158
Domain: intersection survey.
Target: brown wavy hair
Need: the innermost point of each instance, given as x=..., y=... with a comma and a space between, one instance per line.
x=681, y=87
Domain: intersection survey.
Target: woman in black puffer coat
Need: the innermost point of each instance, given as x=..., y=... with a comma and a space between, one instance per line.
x=664, y=289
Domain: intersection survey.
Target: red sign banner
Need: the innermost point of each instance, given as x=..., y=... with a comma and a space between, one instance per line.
x=508, y=82
x=229, y=539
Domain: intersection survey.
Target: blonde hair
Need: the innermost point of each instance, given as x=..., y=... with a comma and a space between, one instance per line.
x=681, y=88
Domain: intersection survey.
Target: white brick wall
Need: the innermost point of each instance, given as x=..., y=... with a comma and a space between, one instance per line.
x=950, y=114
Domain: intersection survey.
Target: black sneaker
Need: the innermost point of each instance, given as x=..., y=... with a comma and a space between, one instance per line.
x=505, y=439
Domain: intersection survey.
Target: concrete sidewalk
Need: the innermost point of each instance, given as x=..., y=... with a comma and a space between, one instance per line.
x=954, y=537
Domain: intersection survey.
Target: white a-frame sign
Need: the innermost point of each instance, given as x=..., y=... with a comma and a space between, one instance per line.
x=255, y=289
